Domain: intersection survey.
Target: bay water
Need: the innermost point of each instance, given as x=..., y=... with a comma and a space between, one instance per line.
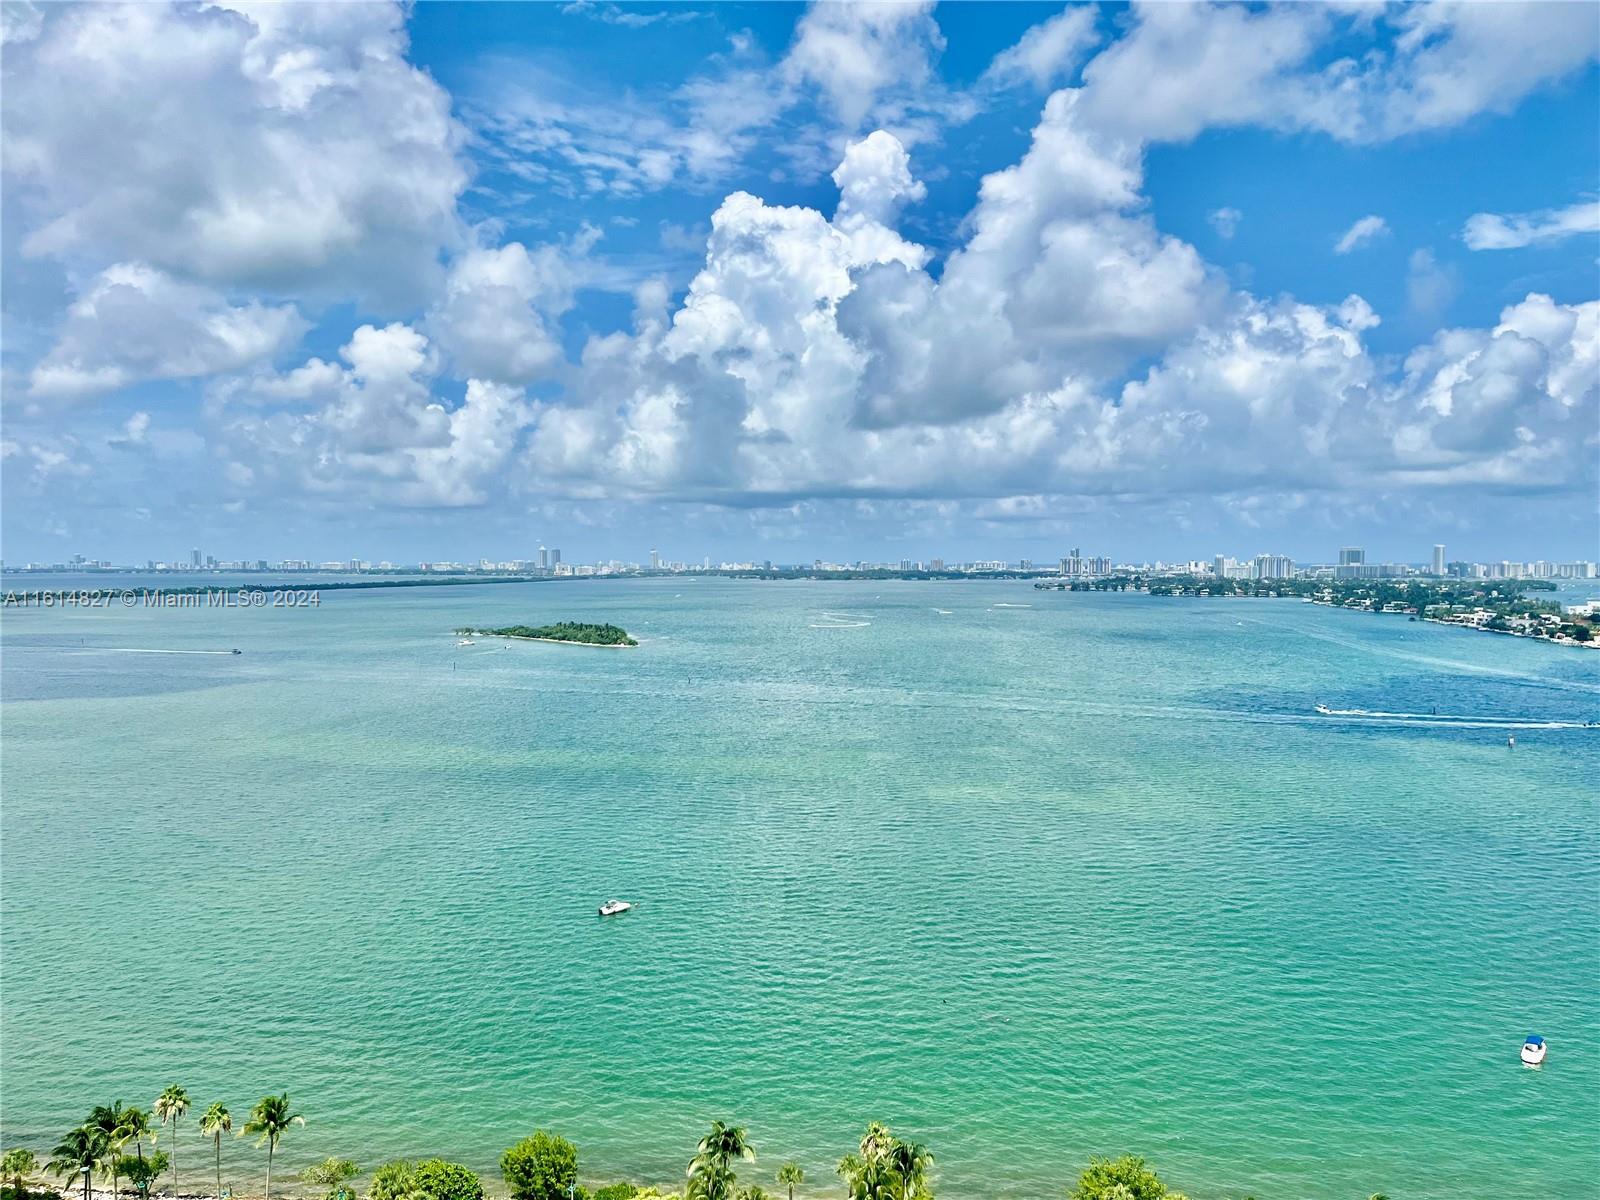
x=1030, y=876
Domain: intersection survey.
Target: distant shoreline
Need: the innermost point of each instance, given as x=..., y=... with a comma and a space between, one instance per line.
x=28, y=597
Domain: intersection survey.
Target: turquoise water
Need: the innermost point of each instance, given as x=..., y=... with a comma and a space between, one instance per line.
x=1028, y=883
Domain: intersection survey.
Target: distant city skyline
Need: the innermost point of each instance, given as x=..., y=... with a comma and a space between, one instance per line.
x=1350, y=563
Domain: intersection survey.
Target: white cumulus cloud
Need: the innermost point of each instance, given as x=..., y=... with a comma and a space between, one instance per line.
x=286, y=147
x=135, y=322
x=1492, y=231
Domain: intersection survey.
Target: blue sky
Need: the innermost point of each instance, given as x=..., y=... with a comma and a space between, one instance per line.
x=776, y=281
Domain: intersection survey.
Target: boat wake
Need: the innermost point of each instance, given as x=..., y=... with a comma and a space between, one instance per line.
x=1002, y=604
x=1459, y=720
x=131, y=650
x=841, y=625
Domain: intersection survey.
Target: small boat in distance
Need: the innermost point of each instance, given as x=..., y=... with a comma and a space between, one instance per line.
x=612, y=907
x=236, y=650
x=1533, y=1050
x=1324, y=710
x=466, y=642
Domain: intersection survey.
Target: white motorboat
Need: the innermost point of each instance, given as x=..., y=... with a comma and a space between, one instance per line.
x=612, y=907
x=466, y=642
x=1324, y=710
x=1533, y=1050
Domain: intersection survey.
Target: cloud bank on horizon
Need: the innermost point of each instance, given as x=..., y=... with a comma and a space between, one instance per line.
x=279, y=271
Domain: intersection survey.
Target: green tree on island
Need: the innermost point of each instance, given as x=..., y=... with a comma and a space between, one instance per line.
x=541, y=1167
x=331, y=1175
x=216, y=1122
x=269, y=1120
x=562, y=631
x=17, y=1163
x=790, y=1174
x=169, y=1107
x=86, y=1149
x=711, y=1175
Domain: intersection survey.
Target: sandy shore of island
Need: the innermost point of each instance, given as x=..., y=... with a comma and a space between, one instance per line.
x=512, y=637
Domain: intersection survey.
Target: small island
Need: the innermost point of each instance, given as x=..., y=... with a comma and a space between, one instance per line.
x=572, y=632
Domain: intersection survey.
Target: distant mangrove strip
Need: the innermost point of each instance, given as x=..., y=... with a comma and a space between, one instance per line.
x=542, y=1166
x=1491, y=605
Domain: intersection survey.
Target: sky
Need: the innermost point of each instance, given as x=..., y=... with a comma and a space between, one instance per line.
x=780, y=281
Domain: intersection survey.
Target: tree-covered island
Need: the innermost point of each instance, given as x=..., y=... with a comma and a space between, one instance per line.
x=562, y=631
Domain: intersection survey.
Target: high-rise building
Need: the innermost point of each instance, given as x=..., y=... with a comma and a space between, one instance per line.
x=1438, y=560
x=194, y=558
x=655, y=560
x=1352, y=563
x=544, y=559
x=555, y=558
x=1219, y=566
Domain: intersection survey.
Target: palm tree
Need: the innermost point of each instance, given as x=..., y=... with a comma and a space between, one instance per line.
x=910, y=1161
x=17, y=1163
x=216, y=1122
x=110, y=1121
x=711, y=1174
x=135, y=1128
x=270, y=1118
x=790, y=1174
x=169, y=1106
x=876, y=1141
x=87, y=1148
x=870, y=1173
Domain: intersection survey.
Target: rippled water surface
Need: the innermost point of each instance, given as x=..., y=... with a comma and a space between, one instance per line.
x=1028, y=883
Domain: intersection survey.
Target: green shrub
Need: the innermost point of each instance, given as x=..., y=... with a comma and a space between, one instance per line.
x=541, y=1167
x=393, y=1181
x=440, y=1180
x=1125, y=1178
x=616, y=1191
x=142, y=1172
